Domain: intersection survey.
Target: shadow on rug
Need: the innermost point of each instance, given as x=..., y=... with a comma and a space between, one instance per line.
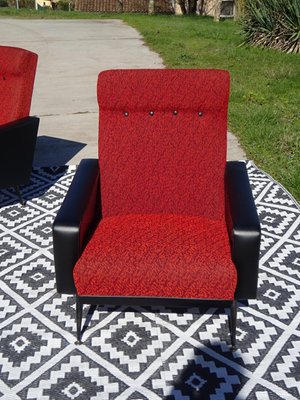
x=144, y=353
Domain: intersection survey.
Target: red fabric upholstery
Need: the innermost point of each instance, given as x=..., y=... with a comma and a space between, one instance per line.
x=162, y=155
x=157, y=255
x=17, y=72
x=163, y=163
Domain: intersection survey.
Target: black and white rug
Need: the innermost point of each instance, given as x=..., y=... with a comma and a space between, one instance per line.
x=143, y=353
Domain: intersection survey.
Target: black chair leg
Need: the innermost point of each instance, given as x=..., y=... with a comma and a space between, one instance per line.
x=18, y=191
x=233, y=317
x=79, y=308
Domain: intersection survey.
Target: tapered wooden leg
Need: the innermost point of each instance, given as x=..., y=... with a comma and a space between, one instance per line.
x=79, y=308
x=233, y=317
x=18, y=191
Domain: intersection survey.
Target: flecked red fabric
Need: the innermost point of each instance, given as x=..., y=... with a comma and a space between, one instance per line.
x=157, y=255
x=156, y=153
x=17, y=72
x=162, y=155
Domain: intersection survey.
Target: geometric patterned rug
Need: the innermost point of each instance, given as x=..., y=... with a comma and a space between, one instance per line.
x=144, y=353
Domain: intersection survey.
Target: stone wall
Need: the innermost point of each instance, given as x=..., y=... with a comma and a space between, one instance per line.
x=140, y=6
x=204, y=7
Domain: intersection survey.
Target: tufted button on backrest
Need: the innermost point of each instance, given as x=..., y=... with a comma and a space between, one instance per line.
x=163, y=164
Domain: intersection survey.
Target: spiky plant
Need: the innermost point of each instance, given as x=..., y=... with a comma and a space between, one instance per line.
x=289, y=24
x=273, y=23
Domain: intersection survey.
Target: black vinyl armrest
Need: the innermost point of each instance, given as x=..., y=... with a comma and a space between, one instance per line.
x=243, y=227
x=75, y=221
x=17, y=145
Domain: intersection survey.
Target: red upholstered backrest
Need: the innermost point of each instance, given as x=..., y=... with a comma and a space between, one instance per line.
x=17, y=72
x=157, y=154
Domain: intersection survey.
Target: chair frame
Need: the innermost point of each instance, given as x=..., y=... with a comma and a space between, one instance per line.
x=155, y=301
x=18, y=131
x=17, y=160
x=80, y=213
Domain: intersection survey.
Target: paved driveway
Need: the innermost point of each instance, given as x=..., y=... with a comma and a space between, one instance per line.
x=71, y=54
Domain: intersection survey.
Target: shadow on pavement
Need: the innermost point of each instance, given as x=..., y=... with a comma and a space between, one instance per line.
x=52, y=151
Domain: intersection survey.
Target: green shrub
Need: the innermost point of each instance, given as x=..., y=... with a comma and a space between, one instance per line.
x=65, y=5
x=26, y=3
x=22, y=3
x=3, y=3
x=273, y=23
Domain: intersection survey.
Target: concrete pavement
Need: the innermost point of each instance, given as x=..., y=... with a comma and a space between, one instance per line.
x=71, y=54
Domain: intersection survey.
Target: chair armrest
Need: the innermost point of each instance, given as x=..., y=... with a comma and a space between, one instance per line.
x=75, y=221
x=17, y=144
x=243, y=227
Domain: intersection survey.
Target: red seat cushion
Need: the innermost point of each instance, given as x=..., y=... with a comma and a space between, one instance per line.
x=157, y=255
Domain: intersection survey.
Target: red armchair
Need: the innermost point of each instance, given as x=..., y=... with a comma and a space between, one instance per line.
x=160, y=218
x=18, y=131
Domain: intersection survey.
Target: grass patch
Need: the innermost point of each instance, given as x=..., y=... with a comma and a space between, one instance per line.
x=265, y=84
x=48, y=13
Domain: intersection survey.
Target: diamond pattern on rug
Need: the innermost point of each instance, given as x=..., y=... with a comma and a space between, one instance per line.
x=286, y=260
x=255, y=336
x=137, y=396
x=278, y=196
x=8, y=307
x=274, y=220
x=43, y=179
x=267, y=242
x=61, y=310
x=296, y=235
x=75, y=377
x=276, y=297
x=258, y=185
x=182, y=318
x=33, y=279
x=39, y=232
x=6, y=198
x=12, y=251
x=25, y=345
x=15, y=215
x=143, y=352
x=191, y=374
x=51, y=199
x=262, y=393
x=131, y=341
x=285, y=368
